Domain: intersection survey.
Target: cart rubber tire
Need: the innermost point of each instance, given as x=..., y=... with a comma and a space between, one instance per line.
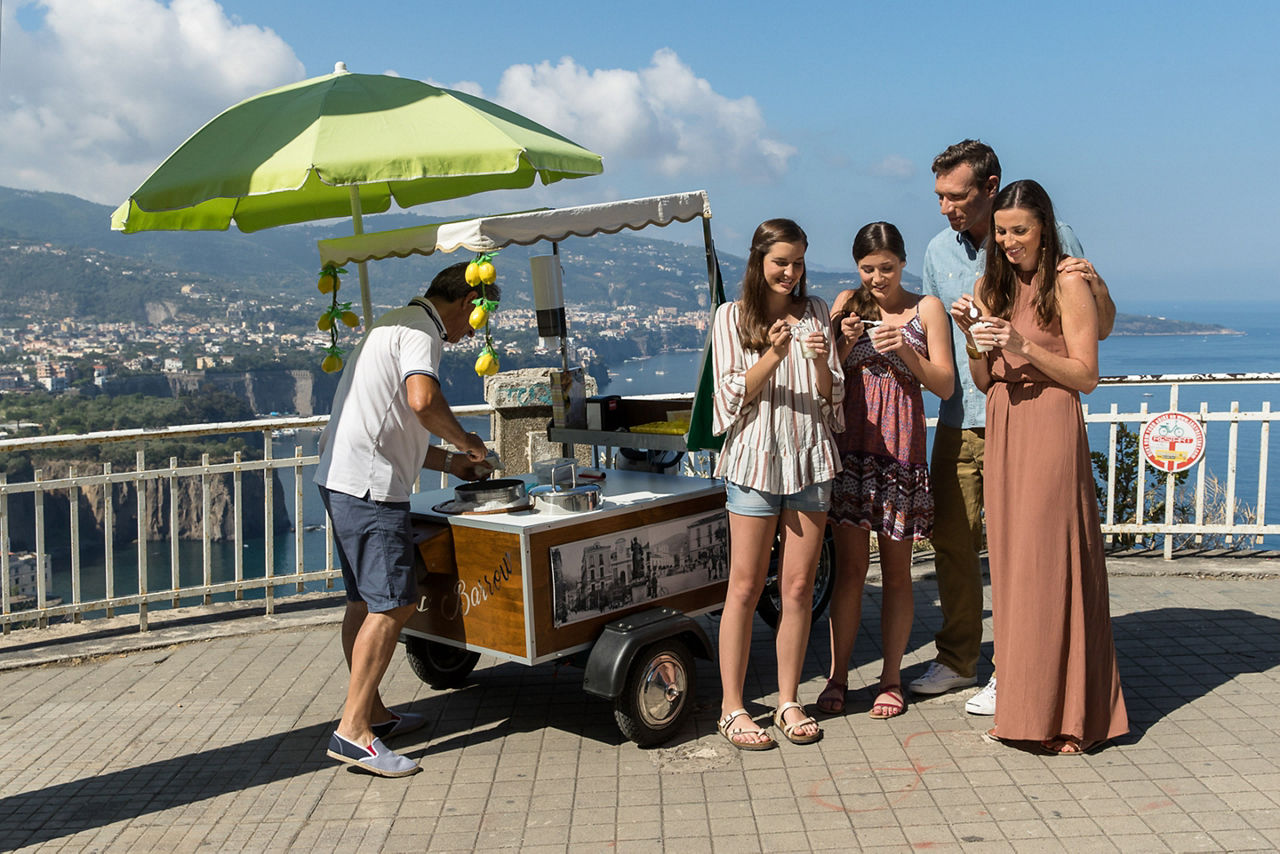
x=770, y=606
x=439, y=664
x=658, y=694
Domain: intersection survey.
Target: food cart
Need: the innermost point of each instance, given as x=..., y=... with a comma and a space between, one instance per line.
x=614, y=587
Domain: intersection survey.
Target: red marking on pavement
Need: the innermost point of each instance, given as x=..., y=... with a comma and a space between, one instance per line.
x=916, y=769
x=1155, y=805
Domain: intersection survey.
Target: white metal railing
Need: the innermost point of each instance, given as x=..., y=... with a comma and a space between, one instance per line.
x=1200, y=524
x=170, y=475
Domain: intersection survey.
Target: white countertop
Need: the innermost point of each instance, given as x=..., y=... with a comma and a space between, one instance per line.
x=623, y=491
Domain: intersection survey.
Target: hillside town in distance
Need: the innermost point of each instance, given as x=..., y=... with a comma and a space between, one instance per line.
x=200, y=329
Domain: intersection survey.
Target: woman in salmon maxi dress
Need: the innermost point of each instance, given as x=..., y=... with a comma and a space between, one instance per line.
x=1034, y=349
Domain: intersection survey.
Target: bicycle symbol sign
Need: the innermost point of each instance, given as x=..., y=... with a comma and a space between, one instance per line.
x=1173, y=441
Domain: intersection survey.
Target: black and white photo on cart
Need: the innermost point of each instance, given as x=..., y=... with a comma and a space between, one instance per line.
x=614, y=571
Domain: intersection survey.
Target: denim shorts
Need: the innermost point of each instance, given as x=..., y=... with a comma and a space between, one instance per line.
x=375, y=547
x=815, y=498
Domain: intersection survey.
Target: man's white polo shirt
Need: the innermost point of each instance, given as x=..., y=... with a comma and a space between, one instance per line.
x=374, y=444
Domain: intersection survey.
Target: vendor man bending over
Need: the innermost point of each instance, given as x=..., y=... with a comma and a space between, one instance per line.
x=388, y=404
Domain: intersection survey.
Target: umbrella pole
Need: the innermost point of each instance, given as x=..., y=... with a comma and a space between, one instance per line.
x=357, y=222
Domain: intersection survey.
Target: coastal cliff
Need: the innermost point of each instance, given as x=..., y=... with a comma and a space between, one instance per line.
x=295, y=391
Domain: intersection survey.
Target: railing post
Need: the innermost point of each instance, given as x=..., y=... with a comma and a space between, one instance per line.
x=207, y=552
x=237, y=516
x=298, y=527
x=41, y=557
x=74, y=500
x=175, y=576
x=1232, y=441
x=5, y=579
x=1264, y=441
x=268, y=522
x=1202, y=470
x=1170, y=484
x=109, y=539
x=140, y=486
x=1140, y=509
x=1112, y=438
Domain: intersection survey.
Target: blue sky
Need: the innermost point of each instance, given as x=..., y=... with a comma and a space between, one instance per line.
x=1152, y=125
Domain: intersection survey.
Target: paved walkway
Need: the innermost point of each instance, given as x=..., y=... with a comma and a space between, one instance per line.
x=217, y=740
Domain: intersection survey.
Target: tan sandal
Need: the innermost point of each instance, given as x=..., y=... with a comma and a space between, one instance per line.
x=788, y=730
x=732, y=735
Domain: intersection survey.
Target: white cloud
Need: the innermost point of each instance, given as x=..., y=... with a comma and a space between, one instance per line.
x=99, y=93
x=894, y=166
x=663, y=116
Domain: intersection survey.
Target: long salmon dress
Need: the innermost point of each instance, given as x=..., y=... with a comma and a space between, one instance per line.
x=1053, y=645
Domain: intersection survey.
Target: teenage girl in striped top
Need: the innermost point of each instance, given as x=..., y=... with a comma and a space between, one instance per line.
x=778, y=393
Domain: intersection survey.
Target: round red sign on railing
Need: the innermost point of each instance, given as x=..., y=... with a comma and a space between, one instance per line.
x=1173, y=441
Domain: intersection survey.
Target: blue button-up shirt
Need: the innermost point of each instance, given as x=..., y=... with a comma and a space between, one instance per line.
x=952, y=265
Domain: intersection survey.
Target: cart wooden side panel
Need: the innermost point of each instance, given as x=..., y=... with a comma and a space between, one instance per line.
x=471, y=588
x=550, y=638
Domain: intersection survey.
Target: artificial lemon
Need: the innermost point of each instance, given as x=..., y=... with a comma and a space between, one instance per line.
x=325, y=323
x=472, y=273
x=331, y=364
x=486, y=363
x=351, y=319
x=488, y=275
x=328, y=283
x=479, y=317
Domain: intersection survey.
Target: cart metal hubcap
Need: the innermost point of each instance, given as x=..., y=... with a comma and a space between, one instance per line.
x=662, y=690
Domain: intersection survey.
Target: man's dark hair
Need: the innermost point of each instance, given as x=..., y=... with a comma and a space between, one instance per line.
x=450, y=285
x=980, y=157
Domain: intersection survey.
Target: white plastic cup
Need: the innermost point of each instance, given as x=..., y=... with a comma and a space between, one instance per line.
x=800, y=332
x=978, y=345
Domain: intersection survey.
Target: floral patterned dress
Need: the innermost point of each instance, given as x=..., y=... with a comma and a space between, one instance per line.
x=884, y=482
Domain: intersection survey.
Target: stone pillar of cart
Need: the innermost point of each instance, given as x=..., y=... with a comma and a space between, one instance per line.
x=521, y=402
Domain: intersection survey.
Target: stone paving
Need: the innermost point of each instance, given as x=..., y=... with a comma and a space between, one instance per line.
x=218, y=744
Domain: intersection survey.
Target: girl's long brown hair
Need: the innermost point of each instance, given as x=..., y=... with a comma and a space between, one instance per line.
x=999, y=280
x=753, y=324
x=873, y=237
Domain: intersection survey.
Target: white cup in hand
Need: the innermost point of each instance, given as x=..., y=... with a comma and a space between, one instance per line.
x=978, y=345
x=801, y=333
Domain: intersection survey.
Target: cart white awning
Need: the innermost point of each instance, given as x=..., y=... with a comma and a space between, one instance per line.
x=486, y=234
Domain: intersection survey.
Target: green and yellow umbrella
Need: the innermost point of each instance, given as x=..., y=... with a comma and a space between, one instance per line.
x=345, y=144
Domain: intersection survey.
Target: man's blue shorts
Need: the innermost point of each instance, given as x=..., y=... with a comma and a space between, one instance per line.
x=815, y=498
x=375, y=547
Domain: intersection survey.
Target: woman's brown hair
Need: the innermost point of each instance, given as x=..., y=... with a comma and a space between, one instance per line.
x=873, y=237
x=753, y=323
x=999, y=280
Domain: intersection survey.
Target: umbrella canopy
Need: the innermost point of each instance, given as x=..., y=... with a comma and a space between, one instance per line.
x=293, y=154
x=345, y=144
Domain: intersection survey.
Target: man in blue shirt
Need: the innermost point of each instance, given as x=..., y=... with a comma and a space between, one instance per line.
x=966, y=180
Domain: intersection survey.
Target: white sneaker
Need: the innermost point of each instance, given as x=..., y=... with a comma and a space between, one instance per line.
x=983, y=702
x=939, y=679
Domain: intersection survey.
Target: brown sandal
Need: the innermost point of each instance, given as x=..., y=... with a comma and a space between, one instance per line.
x=831, y=700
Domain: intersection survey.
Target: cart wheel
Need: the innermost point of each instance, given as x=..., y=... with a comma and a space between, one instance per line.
x=439, y=664
x=770, y=606
x=658, y=693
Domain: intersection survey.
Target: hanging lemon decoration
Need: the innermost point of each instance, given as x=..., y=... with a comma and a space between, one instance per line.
x=337, y=312
x=481, y=272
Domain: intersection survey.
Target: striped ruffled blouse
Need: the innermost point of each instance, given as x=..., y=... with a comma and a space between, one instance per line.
x=781, y=441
